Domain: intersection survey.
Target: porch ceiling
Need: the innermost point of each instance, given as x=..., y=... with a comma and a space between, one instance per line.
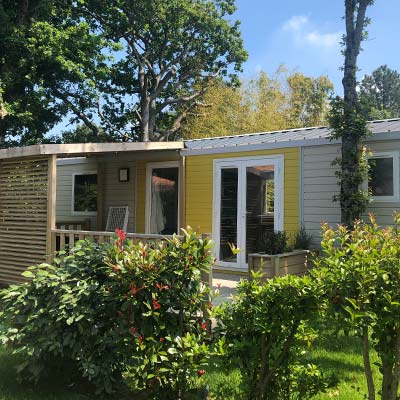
x=86, y=148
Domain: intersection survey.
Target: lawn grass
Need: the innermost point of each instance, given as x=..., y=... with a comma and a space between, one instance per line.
x=341, y=356
x=338, y=356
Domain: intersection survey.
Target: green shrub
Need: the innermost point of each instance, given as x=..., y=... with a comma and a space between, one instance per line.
x=116, y=309
x=360, y=275
x=266, y=335
x=302, y=240
x=165, y=308
x=273, y=242
x=65, y=315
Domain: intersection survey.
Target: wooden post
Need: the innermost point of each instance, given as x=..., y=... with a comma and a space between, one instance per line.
x=51, y=206
x=277, y=271
x=182, y=193
x=207, y=277
x=100, y=196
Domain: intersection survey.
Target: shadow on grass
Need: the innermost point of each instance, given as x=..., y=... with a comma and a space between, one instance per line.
x=50, y=389
x=340, y=342
x=343, y=369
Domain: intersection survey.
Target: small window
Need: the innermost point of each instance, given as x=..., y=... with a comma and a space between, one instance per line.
x=383, y=177
x=85, y=193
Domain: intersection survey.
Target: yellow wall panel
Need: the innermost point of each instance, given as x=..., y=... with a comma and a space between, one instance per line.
x=199, y=187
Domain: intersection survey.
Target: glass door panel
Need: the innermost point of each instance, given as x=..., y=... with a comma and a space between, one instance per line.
x=248, y=202
x=228, y=214
x=164, y=201
x=260, y=198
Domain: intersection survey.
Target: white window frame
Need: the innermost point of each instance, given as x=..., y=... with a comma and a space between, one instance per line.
x=88, y=213
x=278, y=161
x=396, y=192
x=149, y=173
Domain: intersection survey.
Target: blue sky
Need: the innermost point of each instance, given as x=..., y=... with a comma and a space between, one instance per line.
x=304, y=35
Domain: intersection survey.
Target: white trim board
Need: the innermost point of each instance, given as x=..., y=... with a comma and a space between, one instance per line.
x=149, y=168
x=396, y=176
x=241, y=163
x=83, y=213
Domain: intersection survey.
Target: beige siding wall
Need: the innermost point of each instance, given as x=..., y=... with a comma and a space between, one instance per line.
x=64, y=190
x=320, y=185
x=117, y=193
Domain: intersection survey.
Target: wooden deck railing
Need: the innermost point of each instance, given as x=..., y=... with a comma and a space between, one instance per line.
x=63, y=237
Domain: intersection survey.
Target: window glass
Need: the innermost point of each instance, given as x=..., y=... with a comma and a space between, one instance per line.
x=164, y=201
x=381, y=176
x=229, y=213
x=85, y=193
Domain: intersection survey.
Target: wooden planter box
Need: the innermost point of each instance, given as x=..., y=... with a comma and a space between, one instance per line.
x=293, y=263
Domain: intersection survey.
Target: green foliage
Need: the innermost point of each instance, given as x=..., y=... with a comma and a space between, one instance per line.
x=350, y=125
x=347, y=117
x=381, y=92
x=52, y=60
x=171, y=50
x=309, y=99
x=165, y=308
x=266, y=335
x=360, y=274
x=65, y=315
x=83, y=134
x=113, y=310
x=273, y=242
x=265, y=103
x=114, y=66
x=303, y=240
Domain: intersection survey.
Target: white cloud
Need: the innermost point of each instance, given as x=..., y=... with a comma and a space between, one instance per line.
x=295, y=23
x=303, y=32
x=324, y=39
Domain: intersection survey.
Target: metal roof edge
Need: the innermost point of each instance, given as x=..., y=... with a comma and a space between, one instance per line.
x=284, y=144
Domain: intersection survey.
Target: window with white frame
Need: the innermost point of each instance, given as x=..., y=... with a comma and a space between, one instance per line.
x=84, y=193
x=383, y=182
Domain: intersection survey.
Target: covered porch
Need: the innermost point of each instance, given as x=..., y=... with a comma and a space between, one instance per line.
x=54, y=195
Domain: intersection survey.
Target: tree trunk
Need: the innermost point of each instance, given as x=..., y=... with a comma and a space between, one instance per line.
x=351, y=142
x=396, y=367
x=387, y=381
x=145, y=116
x=367, y=364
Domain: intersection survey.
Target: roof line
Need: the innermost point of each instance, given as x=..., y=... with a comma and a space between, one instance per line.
x=283, y=131
x=86, y=148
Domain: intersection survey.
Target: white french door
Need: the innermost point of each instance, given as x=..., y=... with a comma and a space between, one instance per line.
x=248, y=201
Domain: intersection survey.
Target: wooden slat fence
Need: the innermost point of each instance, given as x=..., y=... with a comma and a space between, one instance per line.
x=23, y=216
x=65, y=237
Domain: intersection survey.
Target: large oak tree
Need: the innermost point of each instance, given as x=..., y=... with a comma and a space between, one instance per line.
x=170, y=51
x=128, y=69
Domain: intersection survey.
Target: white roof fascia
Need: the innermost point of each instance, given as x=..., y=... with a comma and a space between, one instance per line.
x=86, y=148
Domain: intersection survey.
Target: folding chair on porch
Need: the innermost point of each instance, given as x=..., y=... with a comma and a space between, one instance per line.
x=117, y=218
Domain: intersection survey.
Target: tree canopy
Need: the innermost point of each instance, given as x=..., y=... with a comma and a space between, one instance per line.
x=50, y=60
x=380, y=91
x=265, y=103
x=130, y=69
